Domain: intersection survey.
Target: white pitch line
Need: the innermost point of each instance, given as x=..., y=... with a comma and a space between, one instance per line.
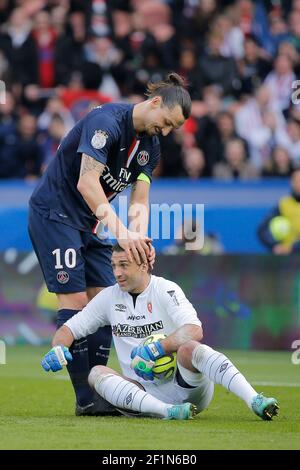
x=277, y=384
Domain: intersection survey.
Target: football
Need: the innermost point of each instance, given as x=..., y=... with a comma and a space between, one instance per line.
x=164, y=367
x=280, y=228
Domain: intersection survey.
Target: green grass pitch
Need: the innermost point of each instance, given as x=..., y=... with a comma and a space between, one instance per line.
x=37, y=411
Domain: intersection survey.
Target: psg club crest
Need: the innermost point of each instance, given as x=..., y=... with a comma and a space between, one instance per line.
x=143, y=158
x=99, y=139
x=62, y=277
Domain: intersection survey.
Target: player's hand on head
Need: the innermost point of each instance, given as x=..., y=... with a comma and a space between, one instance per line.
x=56, y=358
x=135, y=245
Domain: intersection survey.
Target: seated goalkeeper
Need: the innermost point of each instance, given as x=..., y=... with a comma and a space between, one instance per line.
x=140, y=305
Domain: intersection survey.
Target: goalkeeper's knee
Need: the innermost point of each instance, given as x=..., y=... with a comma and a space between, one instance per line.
x=97, y=373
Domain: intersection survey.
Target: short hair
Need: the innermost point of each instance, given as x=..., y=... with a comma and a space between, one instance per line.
x=118, y=249
x=172, y=91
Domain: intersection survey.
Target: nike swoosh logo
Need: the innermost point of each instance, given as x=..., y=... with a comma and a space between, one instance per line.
x=103, y=348
x=124, y=148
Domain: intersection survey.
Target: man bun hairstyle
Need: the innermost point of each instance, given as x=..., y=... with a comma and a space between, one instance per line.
x=172, y=91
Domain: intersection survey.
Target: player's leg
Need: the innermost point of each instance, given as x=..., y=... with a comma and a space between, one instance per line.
x=60, y=257
x=98, y=273
x=126, y=394
x=195, y=356
x=98, y=343
x=78, y=369
x=193, y=387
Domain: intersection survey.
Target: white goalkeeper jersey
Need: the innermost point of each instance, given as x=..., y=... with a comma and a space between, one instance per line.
x=160, y=309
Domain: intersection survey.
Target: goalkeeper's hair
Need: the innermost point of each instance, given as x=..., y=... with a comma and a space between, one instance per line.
x=172, y=91
x=118, y=249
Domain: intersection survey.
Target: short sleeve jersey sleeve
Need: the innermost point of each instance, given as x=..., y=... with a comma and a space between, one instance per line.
x=99, y=133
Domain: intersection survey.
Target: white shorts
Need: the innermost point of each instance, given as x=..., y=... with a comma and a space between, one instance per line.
x=171, y=392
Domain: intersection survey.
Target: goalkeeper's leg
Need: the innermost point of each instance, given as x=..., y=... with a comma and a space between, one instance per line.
x=197, y=357
x=125, y=394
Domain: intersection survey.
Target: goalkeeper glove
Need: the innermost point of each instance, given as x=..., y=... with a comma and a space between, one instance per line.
x=144, y=357
x=56, y=358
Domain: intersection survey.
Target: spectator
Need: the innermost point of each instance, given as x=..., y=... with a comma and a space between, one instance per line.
x=188, y=68
x=253, y=67
x=279, y=82
x=19, y=48
x=45, y=39
x=215, y=69
x=55, y=132
x=235, y=165
x=289, y=208
x=233, y=38
x=256, y=121
x=288, y=137
x=20, y=154
x=55, y=107
x=279, y=165
x=207, y=136
x=69, y=52
x=28, y=149
x=226, y=128
x=193, y=163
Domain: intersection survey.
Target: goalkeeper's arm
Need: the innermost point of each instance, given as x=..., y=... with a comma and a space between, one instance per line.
x=59, y=355
x=180, y=336
x=63, y=336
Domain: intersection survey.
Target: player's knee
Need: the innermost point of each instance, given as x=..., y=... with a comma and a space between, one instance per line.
x=97, y=373
x=199, y=351
x=185, y=352
x=74, y=301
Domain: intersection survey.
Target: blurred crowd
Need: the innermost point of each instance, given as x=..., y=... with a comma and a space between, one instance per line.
x=59, y=58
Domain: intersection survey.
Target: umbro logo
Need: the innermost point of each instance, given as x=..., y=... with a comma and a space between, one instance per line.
x=223, y=367
x=120, y=307
x=128, y=398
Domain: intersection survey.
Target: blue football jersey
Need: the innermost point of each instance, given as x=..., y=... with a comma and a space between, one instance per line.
x=107, y=134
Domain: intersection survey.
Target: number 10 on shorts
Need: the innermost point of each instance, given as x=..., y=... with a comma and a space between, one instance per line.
x=69, y=258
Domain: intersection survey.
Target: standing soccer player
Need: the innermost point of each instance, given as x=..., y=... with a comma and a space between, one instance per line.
x=113, y=147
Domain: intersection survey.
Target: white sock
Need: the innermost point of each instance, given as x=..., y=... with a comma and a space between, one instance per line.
x=220, y=370
x=124, y=394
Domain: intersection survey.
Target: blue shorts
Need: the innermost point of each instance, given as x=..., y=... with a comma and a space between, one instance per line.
x=71, y=260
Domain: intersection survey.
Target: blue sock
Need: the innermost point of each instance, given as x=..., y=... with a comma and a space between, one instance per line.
x=99, y=346
x=79, y=368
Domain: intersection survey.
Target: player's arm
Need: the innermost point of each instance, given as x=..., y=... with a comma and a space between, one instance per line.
x=63, y=336
x=174, y=304
x=84, y=323
x=138, y=212
x=180, y=336
x=91, y=190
